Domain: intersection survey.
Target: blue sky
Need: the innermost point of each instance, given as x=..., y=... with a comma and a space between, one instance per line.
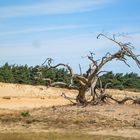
x=65, y=30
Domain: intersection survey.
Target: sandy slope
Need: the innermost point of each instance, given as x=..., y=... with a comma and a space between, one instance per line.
x=14, y=90
x=15, y=96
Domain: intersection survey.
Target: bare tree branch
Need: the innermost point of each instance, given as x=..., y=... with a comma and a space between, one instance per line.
x=89, y=80
x=126, y=48
x=68, y=98
x=80, y=70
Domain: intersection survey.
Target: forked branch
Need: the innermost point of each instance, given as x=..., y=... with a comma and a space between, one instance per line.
x=126, y=49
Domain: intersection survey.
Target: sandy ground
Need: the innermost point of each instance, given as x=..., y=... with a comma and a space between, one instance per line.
x=51, y=112
x=14, y=96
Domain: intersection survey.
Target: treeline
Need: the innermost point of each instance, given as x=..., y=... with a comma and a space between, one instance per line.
x=30, y=75
x=122, y=81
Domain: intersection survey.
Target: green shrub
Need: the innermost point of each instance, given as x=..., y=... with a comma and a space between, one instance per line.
x=25, y=114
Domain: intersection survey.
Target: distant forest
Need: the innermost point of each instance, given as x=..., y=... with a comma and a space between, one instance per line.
x=30, y=75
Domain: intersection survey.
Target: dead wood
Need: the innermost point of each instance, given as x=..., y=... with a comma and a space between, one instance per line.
x=135, y=100
x=68, y=98
x=88, y=81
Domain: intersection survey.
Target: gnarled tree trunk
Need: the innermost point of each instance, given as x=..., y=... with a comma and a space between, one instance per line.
x=81, y=97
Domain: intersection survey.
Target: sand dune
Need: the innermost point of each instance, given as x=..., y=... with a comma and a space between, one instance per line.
x=17, y=90
x=16, y=96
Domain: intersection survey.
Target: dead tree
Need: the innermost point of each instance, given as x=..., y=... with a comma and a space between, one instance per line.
x=89, y=80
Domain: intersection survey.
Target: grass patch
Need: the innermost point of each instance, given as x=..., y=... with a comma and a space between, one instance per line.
x=25, y=114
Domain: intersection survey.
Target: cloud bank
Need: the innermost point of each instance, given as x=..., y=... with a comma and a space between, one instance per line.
x=52, y=7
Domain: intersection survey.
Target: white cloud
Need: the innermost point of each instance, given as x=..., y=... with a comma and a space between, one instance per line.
x=65, y=47
x=78, y=45
x=45, y=29
x=52, y=7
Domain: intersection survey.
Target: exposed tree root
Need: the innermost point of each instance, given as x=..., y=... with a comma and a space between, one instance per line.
x=135, y=100
x=104, y=98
